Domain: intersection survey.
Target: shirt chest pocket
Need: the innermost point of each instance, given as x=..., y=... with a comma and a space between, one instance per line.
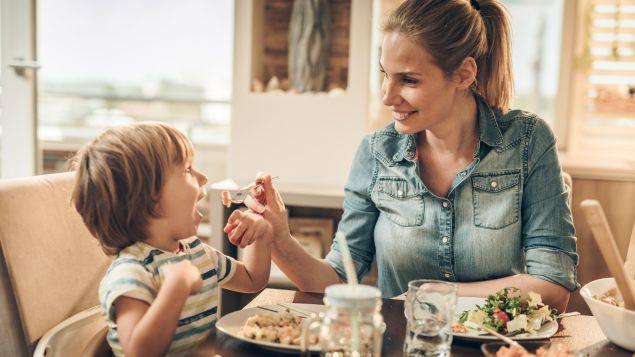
x=496, y=198
x=399, y=201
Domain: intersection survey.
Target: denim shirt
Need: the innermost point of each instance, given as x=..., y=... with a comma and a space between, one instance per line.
x=506, y=213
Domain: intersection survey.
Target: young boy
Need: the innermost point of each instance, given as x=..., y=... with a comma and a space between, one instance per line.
x=136, y=190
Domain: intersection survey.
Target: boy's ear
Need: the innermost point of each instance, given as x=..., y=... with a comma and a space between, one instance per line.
x=465, y=74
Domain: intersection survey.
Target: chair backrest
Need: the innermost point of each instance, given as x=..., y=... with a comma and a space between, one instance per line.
x=53, y=263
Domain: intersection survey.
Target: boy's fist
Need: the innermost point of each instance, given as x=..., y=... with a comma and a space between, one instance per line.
x=184, y=271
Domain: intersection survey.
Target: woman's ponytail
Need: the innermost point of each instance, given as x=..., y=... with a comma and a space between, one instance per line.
x=495, y=81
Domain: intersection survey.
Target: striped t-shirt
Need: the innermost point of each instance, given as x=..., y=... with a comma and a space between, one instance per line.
x=137, y=273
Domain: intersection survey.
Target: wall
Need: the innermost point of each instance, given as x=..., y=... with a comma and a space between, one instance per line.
x=306, y=139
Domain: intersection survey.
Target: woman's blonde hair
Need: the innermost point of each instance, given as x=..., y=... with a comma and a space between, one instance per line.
x=452, y=30
x=119, y=177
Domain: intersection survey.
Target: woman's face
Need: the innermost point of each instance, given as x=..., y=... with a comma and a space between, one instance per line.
x=420, y=95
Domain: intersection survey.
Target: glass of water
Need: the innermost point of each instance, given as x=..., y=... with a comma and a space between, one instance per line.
x=429, y=309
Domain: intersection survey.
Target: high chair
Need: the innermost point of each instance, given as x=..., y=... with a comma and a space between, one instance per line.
x=50, y=269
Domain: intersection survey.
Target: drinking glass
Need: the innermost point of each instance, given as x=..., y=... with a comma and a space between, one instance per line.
x=429, y=309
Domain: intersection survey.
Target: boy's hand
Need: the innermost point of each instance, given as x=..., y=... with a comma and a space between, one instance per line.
x=184, y=271
x=243, y=228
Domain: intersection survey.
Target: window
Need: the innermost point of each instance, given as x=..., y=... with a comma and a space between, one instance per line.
x=602, y=118
x=112, y=62
x=536, y=39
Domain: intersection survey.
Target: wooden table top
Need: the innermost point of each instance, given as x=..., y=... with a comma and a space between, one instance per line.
x=578, y=332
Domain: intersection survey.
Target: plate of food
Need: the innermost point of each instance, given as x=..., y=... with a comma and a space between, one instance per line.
x=274, y=327
x=509, y=313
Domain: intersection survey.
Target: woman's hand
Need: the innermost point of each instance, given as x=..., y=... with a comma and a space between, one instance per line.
x=269, y=204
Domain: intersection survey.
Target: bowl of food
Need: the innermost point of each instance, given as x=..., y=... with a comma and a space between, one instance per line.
x=617, y=323
x=531, y=348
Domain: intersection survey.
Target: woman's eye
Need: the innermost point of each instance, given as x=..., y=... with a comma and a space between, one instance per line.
x=408, y=80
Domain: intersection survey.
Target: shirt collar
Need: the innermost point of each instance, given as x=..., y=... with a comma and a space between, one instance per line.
x=489, y=132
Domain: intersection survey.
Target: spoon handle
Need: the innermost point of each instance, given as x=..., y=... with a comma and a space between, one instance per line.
x=567, y=314
x=505, y=339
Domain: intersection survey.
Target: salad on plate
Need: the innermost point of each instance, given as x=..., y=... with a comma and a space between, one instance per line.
x=507, y=312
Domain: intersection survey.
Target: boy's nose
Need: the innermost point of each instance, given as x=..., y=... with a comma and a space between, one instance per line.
x=202, y=179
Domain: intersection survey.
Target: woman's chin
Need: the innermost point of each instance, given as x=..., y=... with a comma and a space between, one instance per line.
x=403, y=127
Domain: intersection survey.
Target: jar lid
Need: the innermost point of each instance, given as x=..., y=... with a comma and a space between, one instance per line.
x=346, y=295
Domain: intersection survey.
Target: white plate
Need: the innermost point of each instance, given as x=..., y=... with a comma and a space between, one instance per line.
x=231, y=324
x=469, y=303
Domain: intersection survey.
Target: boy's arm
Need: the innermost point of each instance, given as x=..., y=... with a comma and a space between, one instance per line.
x=147, y=330
x=252, y=274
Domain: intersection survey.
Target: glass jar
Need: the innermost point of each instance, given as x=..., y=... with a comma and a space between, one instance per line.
x=352, y=324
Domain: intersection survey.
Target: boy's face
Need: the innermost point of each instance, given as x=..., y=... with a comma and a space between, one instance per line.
x=183, y=188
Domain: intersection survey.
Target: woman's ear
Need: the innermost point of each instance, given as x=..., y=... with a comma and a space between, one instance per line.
x=465, y=74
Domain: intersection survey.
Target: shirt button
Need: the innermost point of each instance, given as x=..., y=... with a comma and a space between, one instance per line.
x=463, y=174
x=446, y=204
x=400, y=193
x=446, y=275
x=494, y=184
x=445, y=240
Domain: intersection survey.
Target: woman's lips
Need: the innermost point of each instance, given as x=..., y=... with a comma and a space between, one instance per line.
x=400, y=115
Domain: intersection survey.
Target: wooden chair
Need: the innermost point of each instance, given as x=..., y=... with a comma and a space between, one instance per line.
x=51, y=270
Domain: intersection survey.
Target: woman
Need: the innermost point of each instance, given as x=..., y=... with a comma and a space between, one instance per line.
x=458, y=188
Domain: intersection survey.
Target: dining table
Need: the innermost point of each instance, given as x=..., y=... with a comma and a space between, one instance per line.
x=580, y=333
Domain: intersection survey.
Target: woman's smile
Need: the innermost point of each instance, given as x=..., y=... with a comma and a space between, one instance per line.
x=402, y=115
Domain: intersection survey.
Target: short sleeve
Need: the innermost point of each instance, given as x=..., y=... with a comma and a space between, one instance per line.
x=126, y=277
x=225, y=266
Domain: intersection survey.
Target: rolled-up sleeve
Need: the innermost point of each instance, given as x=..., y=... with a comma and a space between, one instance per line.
x=360, y=214
x=548, y=233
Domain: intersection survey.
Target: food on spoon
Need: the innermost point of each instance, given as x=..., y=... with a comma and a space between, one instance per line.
x=554, y=350
x=281, y=327
x=508, y=312
x=226, y=198
x=611, y=297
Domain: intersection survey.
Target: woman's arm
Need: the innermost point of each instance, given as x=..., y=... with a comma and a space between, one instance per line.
x=552, y=294
x=305, y=271
x=357, y=224
x=147, y=330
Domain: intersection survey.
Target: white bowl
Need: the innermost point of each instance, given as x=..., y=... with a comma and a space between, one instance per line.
x=618, y=324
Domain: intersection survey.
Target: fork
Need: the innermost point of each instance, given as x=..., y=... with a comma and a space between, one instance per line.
x=239, y=196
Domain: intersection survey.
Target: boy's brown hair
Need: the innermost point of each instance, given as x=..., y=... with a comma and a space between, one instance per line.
x=119, y=177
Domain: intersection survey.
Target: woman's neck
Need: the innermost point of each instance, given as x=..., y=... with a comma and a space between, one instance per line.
x=456, y=134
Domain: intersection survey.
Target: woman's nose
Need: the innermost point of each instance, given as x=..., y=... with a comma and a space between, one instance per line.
x=390, y=94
